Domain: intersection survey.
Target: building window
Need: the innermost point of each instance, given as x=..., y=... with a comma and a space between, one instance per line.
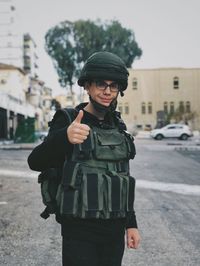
x=3, y=81
x=143, y=108
x=135, y=84
x=181, y=107
x=150, y=108
x=165, y=107
x=171, y=107
x=120, y=108
x=187, y=107
x=139, y=126
x=126, y=109
x=176, y=83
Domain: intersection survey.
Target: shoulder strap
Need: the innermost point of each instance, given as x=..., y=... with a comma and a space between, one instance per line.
x=119, y=121
x=69, y=114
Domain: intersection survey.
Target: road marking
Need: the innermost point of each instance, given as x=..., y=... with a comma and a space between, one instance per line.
x=3, y=202
x=17, y=173
x=184, y=189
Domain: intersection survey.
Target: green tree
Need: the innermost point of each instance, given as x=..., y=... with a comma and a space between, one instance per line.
x=121, y=41
x=70, y=44
x=59, y=45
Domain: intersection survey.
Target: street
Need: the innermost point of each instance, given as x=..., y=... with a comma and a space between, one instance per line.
x=167, y=207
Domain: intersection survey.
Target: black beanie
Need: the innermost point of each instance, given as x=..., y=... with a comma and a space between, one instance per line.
x=106, y=66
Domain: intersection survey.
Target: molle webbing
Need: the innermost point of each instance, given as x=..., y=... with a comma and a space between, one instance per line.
x=96, y=182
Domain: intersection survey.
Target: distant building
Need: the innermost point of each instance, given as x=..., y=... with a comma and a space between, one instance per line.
x=156, y=95
x=13, y=103
x=11, y=39
x=67, y=100
x=30, y=56
x=16, y=48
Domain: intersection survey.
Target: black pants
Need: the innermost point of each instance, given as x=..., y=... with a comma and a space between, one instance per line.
x=86, y=253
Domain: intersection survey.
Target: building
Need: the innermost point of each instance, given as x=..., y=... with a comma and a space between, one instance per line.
x=11, y=40
x=157, y=96
x=67, y=100
x=13, y=105
x=30, y=56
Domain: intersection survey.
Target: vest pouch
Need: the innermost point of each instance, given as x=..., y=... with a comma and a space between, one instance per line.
x=130, y=194
x=121, y=191
x=69, y=191
x=92, y=195
x=110, y=145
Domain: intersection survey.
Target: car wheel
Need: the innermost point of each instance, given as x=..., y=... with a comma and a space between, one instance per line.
x=184, y=137
x=159, y=137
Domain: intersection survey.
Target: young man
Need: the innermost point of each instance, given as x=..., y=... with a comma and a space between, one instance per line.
x=97, y=192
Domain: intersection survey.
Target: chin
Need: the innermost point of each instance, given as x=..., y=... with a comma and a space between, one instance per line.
x=105, y=103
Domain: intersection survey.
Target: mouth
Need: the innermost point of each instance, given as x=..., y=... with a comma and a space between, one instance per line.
x=105, y=100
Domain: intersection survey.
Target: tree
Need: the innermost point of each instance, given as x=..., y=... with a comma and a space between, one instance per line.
x=59, y=45
x=121, y=41
x=70, y=44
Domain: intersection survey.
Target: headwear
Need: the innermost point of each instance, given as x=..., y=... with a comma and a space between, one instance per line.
x=106, y=66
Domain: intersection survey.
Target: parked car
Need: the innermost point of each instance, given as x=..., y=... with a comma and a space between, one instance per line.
x=179, y=131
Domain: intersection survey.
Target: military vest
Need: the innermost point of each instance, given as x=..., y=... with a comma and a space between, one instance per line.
x=96, y=182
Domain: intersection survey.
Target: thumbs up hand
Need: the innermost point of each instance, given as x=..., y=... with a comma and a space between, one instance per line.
x=77, y=132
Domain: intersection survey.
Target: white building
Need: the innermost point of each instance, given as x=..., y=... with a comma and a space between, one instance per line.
x=13, y=104
x=11, y=40
x=30, y=56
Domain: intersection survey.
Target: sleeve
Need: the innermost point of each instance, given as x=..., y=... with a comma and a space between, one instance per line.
x=131, y=221
x=52, y=152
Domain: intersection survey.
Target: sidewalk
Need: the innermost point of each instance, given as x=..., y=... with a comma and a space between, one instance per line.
x=10, y=145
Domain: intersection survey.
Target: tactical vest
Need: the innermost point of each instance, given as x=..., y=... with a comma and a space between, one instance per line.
x=96, y=182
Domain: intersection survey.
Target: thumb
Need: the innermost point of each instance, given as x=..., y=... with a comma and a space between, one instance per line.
x=79, y=117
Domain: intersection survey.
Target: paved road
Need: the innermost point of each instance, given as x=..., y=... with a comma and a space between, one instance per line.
x=167, y=206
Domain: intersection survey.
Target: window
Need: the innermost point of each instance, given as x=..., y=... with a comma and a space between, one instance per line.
x=139, y=126
x=171, y=107
x=3, y=81
x=165, y=107
x=181, y=107
x=143, y=108
x=120, y=108
x=135, y=84
x=176, y=82
x=187, y=107
x=126, y=109
x=150, y=108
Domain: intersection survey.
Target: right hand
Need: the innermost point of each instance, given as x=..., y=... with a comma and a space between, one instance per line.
x=77, y=132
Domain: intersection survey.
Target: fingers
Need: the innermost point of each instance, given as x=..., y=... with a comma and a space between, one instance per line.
x=133, y=238
x=77, y=133
x=79, y=117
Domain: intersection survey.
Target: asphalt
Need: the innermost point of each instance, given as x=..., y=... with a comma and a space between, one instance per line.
x=190, y=144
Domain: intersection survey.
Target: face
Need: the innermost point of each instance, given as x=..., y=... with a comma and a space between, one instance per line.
x=103, y=91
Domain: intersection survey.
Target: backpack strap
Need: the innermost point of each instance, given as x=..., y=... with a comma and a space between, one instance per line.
x=69, y=114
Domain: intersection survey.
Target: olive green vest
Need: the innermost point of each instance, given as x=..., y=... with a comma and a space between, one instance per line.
x=96, y=182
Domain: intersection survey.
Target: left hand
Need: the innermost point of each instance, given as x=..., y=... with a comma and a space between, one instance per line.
x=133, y=238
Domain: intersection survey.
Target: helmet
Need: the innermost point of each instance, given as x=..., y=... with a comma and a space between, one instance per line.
x=106, y=66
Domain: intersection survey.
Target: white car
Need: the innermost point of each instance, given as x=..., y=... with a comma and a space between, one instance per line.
x=172, y=131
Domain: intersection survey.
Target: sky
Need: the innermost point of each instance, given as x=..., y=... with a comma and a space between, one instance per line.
x=166, y=30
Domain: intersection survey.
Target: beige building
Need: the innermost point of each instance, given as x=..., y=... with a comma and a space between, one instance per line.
x=153, y=95
x=13, y=103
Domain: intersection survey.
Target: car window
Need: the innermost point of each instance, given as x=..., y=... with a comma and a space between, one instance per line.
x=172, y=127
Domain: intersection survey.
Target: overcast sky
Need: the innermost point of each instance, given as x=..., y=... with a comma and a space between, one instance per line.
x=168, y=31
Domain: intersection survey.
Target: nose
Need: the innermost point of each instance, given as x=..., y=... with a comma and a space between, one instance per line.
x=107, y=90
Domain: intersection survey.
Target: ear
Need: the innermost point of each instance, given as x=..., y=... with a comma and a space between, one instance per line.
x=87, y=87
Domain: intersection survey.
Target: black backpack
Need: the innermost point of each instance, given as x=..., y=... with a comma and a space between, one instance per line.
x=50, y=179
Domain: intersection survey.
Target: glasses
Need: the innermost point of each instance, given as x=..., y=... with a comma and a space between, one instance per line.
x=102, y=85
